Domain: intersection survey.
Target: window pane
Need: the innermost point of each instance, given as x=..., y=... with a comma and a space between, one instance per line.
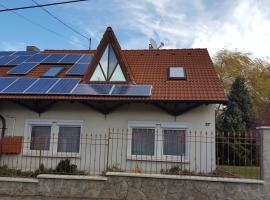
x=143, y=141
x=112, y=61
x=118, y=74
x=98, y=75
x=69, y=139
x=173, y=142
x=104, y=61
x=40, y=138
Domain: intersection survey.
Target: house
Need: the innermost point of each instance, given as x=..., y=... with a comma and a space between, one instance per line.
x=143, y=109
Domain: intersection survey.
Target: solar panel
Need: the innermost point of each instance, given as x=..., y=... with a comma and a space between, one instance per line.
x=20, y=85
x=53, y=58
x=77, y=69
x=70, y=58
x=23, y=68
x=132, y=90
x=64, y=86
x=5, y=82
x=38, y=58
x=53, y=72
x=92, y=89
x=25, y=53
x=41, y=86
x=6, y=53
x=86, y=58
x=18, y=60
x=5, y=59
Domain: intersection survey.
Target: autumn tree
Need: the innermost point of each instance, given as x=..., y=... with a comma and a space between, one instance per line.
x=256, y=72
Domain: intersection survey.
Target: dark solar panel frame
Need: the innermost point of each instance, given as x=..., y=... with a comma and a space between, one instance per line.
x=6, y=59
x=23, y=68
x=70, y=58
x=20, y=85
x=64, y=86
x=132, y=90
x=77, y=69
x=86, y=58
x=93, y=89
x=54, y=58
x=5, y=82
x=25, y=53
x=6, y=53
x=42, y=86
x=37, y=58
x=18, y=60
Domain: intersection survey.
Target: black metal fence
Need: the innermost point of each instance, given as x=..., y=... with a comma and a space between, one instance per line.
x=137, y=150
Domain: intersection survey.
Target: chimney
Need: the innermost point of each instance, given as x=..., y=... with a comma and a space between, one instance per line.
x=32, y=48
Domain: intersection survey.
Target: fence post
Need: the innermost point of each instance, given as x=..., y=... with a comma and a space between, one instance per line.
x=264, y=152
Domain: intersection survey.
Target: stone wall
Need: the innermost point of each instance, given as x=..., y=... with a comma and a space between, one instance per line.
x=132, y=188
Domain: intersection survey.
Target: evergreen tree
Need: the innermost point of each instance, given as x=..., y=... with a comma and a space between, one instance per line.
x=237, y=116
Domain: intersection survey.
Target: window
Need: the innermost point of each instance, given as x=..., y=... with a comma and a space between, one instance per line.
x=177, y=73
x=173, y=142
x=108, y=68
x=69, y=139
x=40, y=138
x=161, y=141
x=52, y=137
x=143, y=141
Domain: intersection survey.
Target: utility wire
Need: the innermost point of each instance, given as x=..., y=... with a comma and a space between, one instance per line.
x=40, y=5
x=59, y=20
x=33, y=22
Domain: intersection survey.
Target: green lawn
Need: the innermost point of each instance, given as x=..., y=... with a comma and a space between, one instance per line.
x=239, y=171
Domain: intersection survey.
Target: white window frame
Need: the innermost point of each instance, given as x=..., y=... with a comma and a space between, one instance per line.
x=55, y=124
x=158, y=152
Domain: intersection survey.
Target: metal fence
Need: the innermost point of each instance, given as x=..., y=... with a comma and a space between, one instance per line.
x=136, y=150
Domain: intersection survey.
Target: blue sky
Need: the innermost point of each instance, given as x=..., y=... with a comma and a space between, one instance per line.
x=212, y=24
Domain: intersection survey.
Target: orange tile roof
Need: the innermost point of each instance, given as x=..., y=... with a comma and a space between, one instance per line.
x=151, y=67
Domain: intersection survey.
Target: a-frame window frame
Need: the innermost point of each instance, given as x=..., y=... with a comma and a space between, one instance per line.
x=107, y=76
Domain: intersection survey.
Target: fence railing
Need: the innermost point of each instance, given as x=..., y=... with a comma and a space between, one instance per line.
x=136, y=150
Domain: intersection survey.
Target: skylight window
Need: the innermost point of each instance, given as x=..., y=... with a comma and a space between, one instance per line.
x=108, y=68
x=52, y=72
x=177, y=73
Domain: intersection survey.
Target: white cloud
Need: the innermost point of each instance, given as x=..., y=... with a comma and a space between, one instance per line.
x=242, y=24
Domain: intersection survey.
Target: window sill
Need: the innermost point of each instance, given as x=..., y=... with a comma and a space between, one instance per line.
x=158, y=159
x=52, y=155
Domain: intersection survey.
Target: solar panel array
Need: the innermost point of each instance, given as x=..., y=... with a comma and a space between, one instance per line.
x=68, y=86
x=17, y=58
x=113, y=90
x=37, y=85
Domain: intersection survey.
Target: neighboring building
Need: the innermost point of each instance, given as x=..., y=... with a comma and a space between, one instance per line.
x=161, y=96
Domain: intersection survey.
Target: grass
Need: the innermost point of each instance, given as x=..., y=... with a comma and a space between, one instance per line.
x=240, y=171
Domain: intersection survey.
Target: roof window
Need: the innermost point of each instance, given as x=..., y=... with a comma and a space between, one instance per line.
x=177, y=73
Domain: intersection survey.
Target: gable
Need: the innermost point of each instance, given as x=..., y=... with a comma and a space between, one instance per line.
x=109, y=63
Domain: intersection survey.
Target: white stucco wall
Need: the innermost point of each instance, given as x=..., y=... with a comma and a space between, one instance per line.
x=201, y=157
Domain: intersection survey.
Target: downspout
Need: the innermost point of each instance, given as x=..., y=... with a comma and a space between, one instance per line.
x=3, y=129
x=3, y=126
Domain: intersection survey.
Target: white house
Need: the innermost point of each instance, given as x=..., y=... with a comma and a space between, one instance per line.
x=139, y=110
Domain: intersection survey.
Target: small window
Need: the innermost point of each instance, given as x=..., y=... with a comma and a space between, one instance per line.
x=40, y=138
x=173, y=142
x=69, y=139
x=53, y=72
x=177, y=73
x=143, y=141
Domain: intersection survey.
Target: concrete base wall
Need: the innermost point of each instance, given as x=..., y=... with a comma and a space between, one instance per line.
x=132, y=188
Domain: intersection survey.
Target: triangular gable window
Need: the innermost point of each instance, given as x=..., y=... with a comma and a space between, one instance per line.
x=108, y=68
